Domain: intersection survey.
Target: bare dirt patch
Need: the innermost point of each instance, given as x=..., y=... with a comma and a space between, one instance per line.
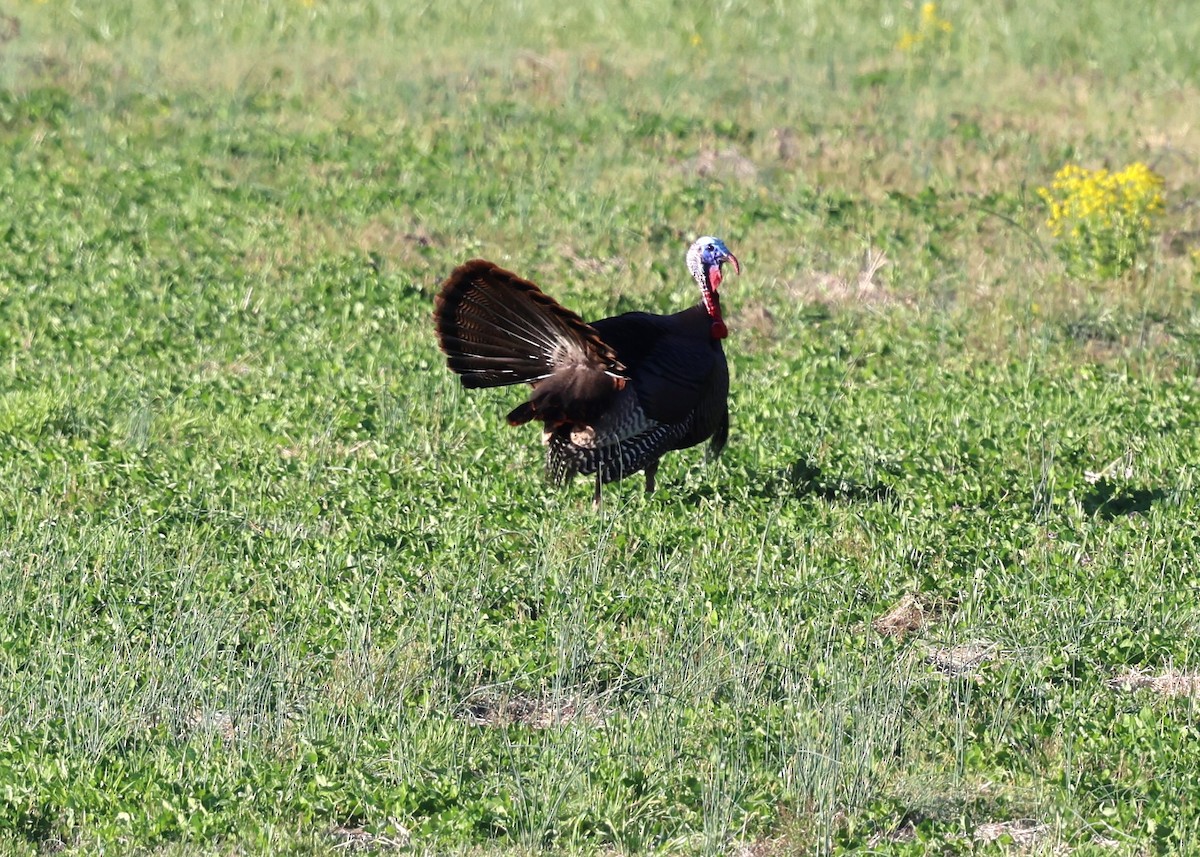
x=593, y=266
x=10, y=28
x=403, y=243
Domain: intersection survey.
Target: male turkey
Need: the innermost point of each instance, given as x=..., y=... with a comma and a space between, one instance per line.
x=613, y=395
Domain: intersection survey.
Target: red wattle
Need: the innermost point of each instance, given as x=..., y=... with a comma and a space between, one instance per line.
x=718, y=329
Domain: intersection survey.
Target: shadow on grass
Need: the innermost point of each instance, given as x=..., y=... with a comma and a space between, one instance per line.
x=804, y=479
x=800, y=480
x=1112, y=501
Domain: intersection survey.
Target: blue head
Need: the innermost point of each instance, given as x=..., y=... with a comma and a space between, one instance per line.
x=704, y=260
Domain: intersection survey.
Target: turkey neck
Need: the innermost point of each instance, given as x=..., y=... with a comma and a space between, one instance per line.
x=711, y=302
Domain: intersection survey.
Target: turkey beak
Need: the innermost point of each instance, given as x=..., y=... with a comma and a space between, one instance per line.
x=715, y=275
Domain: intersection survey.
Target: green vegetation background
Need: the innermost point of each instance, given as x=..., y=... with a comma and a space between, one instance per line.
x=274, y=583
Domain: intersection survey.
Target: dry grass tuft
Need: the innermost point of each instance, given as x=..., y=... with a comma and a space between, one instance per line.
x=773, y=847
x=904, y=832
x=908, y=614
x=216, y=722
x=359, y=839
x=1025, y=833
x=756, y=318
x=1172, y=682
x=487, y=709
x=866, y=288
x=728, y=164
x=960, y=660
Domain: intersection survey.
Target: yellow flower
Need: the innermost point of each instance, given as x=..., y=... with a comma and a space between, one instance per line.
x=930, y=28
x=1102, y=219
x=931, y=21
x=908, y=41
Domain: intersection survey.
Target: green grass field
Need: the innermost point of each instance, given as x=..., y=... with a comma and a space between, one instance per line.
x=274, y=583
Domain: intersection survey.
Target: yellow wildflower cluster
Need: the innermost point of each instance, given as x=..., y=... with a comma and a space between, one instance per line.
x=931, y=29
x=1077, y=196
x=1102, y=219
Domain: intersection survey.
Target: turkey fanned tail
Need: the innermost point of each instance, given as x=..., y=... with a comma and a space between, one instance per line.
x=498, y=329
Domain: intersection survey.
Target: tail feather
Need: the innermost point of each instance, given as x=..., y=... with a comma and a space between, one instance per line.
x=498, y=329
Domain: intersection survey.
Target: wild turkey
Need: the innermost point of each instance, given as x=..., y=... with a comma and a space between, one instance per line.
x=613, y=395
